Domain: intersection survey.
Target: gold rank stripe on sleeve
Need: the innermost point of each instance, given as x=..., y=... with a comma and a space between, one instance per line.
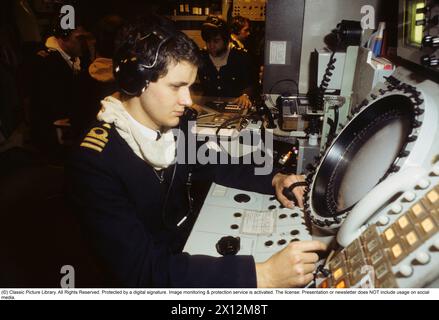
x=96, y=139
x=91, y=146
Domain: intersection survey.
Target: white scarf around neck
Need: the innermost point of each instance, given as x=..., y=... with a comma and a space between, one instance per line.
x=160, y=153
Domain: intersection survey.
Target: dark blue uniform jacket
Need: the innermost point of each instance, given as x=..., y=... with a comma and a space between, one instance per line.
x=120, y=200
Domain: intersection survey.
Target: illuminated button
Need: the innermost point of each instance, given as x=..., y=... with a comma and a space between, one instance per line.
x=341, y=285
x=389, y=235
x=428, y=225
x=397, y=251
x=403, y=222
x=418, y=210
x=338, y=274
x=406, y=271
x=384, y=220
x=412, y=239
x=219, y=88
x=409, y=196
x=433, y=197
x=324, y=284
x=423, y=257
x=396, y=209
x=423, y=184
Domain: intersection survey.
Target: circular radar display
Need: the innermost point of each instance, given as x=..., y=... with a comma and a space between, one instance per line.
x=363, y=154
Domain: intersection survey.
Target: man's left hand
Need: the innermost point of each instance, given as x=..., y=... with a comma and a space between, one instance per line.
x=281, y=181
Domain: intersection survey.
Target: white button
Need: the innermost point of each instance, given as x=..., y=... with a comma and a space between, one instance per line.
x=384, y=220
x=436, y=169
x=423, y=257
x=396, y=208
x=423, y=184
x=409, y=196
x=219, y=88
x=406, y=271
x=436, y=244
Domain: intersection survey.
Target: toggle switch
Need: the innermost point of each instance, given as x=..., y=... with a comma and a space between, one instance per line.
x=406, y=271
x=423, y=257
x=423, y=184
x=409, y=196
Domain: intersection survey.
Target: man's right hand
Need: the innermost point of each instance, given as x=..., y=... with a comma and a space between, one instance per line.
x=291, y=267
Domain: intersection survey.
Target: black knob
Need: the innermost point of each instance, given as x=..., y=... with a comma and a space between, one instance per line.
x=227, y=246
x=429, y=61
x=430, y=41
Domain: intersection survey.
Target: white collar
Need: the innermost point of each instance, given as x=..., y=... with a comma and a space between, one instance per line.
x=145, y=131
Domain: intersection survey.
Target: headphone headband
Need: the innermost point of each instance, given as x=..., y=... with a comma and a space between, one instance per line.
x=131, y=71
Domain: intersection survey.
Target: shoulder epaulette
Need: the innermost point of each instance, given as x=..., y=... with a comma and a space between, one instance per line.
x=97, y=138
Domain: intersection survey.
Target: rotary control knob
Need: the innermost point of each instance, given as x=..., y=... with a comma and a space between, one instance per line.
x=409, y=196
x=429, y=61
x=430, y=41
x=423, y=257
x=406, y=271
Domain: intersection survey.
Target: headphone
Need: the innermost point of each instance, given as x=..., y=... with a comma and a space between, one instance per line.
x=131, y=71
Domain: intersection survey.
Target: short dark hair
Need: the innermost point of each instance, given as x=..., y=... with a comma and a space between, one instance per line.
x=238, y=23
x=105, y=34
x=134, y=40
x=214, y=26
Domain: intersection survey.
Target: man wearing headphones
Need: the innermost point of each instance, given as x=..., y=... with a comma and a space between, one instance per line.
x=135, y=201
x=225, y=71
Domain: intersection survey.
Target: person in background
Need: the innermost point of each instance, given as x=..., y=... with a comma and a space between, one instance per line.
x=240, y=28
x=226, y=69
x=54, y=91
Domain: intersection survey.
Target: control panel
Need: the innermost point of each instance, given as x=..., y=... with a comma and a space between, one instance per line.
x=399, y=248
x=251, y=9
x=259, y=223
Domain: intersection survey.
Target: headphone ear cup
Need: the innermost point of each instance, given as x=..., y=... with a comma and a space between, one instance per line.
x=132, y=78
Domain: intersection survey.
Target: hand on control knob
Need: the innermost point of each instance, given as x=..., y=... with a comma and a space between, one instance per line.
x=289, y=188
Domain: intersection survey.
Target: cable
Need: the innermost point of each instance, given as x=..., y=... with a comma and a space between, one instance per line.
x=165, y=205
x=276, y=83
x=319, y=105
